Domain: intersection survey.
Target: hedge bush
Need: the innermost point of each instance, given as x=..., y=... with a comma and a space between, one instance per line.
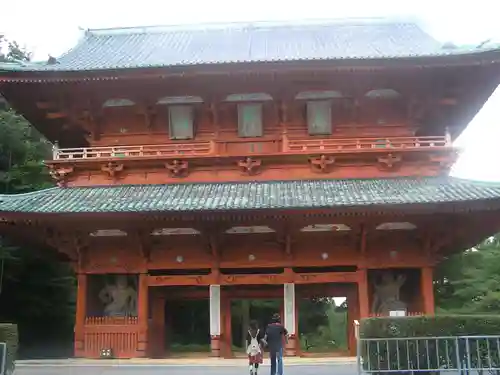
x=417, y=350
x=8, y=334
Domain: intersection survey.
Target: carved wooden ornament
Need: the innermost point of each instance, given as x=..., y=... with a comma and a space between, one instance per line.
x=389, y=161
x=149, y=114
x=321, y=164
x=443, y=162
x=112, y=169
x=60, y=174
x=177, y=168
x=250, y=166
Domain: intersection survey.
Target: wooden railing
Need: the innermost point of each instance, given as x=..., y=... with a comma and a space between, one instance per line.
x=409, y=313
x=359, y=144
x=110, y=320
x=119, y=334
x=285, y=146
x=169, y=149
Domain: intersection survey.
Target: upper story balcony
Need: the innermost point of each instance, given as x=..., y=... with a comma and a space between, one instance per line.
x=271, y=146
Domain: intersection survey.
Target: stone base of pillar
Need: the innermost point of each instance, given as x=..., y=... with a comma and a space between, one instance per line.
x=142, y=349
x=291, y=347
x=79, y=349
x=215, y=344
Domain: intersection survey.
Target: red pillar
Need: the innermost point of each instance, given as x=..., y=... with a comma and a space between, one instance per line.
x=142, y=315
x=427, y=288
x=352, y=315
x=226, y=326
x=363, y=297
x=157, y=328
x=81, y=312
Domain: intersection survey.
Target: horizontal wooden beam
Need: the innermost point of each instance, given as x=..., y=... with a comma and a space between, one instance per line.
x=255, y=279
x=182, y=280
x=325, y=277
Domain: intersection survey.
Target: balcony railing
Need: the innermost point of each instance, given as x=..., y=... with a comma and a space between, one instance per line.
x=285, y=146
x=172, y=149
x=359, y=144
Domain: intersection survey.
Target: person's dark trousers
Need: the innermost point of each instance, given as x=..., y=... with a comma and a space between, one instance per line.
x=276, y=357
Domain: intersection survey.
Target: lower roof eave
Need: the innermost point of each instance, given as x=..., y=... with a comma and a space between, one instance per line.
x=485, y=206
x=59, y=74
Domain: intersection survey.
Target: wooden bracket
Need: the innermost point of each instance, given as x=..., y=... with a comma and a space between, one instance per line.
x=60, y=174
x=213, y=244
x=389, y=162
x=362, y=239
x=144, y=243
x=149, y=114
x=321, y=164
x=89, y=121
x=81, y=245
x=285, y=239
x=443, y=162
x=283, y=111
x=112, y=169
x=250, y=166
x=212, y=239
x=73, y=244
x=214, y=113
x=177, y=168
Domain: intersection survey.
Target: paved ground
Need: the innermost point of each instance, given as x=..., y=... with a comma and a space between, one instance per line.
x=144, y=369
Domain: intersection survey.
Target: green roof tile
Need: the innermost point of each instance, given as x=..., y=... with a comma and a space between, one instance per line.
x=201, y=44
x=197, y=197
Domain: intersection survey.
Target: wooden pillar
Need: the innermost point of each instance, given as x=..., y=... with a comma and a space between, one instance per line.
x=226, y=334
x=215, y=320
x=363, y=295
x=81, y=312
x=157, y=327
x=143, y=315
x=427, y=288
x=352, y=315
x=169, y=322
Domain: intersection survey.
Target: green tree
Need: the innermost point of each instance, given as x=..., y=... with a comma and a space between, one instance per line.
x=479, y=288
x=469, y=282
x=36, y=288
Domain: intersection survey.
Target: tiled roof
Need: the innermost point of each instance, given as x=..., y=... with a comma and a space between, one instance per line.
x=237, y=43
x=199, y=197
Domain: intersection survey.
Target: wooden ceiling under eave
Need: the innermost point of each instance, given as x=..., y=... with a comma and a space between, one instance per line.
x=23, y=98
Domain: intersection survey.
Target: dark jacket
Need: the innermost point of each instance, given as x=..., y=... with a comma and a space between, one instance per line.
x=275, y=332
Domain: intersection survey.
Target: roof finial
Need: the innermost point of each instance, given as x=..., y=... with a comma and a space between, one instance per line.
x=483, y=43
x=52, y=60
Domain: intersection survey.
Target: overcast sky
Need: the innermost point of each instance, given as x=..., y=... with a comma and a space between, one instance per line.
x=53, y=26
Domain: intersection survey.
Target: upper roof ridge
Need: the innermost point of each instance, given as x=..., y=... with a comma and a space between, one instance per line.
x=250, y=24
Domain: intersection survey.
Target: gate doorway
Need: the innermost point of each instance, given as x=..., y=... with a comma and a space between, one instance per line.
x=187, y=327
x=325, y=315
x=243, y=304
x=245, y=310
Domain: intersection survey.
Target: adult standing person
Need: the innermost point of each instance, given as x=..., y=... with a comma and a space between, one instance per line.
x=276, y=334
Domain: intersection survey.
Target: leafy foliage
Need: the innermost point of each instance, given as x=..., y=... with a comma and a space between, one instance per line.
x=14, y=52
x=36, y=288
x=22, y=150
x=322, y=325
x=430, y=326
x=384, y=339
x=8, y=334
x=469, y=282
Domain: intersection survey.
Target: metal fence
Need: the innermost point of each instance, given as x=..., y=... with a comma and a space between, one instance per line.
x=461, y=354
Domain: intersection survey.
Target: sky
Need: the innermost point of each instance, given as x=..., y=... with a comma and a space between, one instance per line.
x=51, y=27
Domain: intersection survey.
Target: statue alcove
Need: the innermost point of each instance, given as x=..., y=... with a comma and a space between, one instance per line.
x=112, y=295
x=408, y=281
